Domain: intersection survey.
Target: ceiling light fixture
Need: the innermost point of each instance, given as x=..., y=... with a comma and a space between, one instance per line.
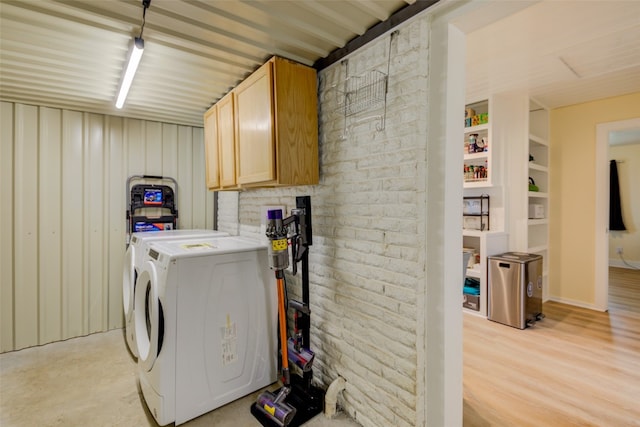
x=134, y=60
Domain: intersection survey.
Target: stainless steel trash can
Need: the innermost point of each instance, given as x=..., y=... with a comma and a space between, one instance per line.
x=515, y=289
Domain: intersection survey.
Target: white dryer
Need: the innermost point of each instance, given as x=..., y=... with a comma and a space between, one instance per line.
x=206, y=325
x=133, y=259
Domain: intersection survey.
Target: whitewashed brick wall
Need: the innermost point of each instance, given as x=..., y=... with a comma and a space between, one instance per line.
x=228, y=212
x=367, y=262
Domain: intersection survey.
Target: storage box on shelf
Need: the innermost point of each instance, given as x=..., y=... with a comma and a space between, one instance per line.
x=475, y=213
x=483, y=244
x=471, y=286
x=471, y=300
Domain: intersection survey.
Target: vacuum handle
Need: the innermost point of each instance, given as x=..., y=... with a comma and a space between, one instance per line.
x=299, y=306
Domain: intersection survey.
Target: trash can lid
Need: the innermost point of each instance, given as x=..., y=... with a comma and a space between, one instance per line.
x=520, y=257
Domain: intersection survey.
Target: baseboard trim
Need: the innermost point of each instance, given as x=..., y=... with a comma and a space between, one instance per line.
x=575, y=303
x=620, y=264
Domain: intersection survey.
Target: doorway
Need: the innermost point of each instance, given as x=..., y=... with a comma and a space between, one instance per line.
x=603, y=133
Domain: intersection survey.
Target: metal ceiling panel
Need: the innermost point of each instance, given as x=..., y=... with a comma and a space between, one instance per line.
x=71, y=53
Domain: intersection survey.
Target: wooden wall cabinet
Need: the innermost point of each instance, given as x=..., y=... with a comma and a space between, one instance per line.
x=254, y=110
x=220, y=145
x=227, y=142
x=275, y=129
x=211, y=148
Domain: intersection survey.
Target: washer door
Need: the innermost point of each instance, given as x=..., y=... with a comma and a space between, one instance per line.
x=148, y=317
x=128, y=281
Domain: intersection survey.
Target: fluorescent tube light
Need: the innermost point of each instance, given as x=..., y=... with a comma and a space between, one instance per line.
x=132, y=66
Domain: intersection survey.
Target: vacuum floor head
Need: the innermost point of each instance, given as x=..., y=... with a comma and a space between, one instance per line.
x=280, y=412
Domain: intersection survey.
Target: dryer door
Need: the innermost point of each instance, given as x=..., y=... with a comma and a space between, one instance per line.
x=128, y=281
x=148, y=318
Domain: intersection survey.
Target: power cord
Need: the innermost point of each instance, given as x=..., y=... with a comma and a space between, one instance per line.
x=145, y=5
x=633, y=267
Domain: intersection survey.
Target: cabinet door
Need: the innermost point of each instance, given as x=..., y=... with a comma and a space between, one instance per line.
x=211, y=148
x=227, y=141
x=255, y=155
x=296, y=122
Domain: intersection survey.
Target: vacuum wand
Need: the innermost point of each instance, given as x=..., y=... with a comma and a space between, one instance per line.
x=277, y=232
x=283, y=333
x=274, y=407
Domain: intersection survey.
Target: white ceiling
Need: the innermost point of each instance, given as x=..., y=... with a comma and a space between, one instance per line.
x=70, y=53
x=560, y=52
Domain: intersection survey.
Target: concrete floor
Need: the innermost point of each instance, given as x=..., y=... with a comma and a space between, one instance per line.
x=91, y=381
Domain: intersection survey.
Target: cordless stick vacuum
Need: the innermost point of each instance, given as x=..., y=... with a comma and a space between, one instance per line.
x=298, y=400
x=273, y=406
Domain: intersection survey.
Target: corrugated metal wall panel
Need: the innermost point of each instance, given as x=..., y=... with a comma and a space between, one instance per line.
x=198, y=178
x=73, y=305
x=25, y=205
x=117, y=222
x=6, y=226
x=185, y=157
x=170, y=150
x=63, y=232
x=50, y=223
x=93, y=222
x=153, y=151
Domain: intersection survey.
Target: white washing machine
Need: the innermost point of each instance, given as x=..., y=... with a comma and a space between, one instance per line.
x=206, y=325
x=133, y=258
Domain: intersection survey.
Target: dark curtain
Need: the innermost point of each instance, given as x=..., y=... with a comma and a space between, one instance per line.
x=615, y=207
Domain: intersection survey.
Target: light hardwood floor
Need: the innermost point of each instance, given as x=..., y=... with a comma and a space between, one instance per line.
x=577, y=367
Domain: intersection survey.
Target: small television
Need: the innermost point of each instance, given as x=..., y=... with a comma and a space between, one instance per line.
x=153, y=196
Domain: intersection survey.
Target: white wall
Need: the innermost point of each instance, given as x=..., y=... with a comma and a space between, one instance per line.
x=367, y=261
x=575, y=225
x=63, y=220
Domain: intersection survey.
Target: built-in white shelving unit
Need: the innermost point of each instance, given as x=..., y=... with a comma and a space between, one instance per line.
x=517, y=134
x=538, y=201
x=486, y=157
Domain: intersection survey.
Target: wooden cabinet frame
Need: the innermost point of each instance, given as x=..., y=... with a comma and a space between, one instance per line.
x=275, y=129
